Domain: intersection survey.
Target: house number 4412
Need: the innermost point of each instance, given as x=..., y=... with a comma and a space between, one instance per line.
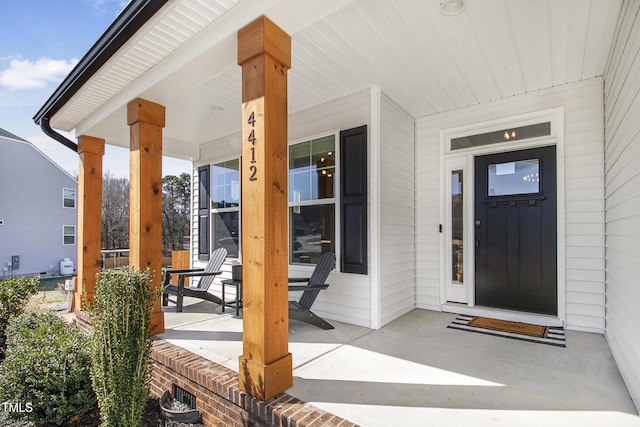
x=253, y=169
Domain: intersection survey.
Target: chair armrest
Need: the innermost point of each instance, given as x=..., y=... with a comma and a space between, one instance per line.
x=181, y=270
x=168, y=272
x=199, y=273
x=298, y=279
x=307, y=287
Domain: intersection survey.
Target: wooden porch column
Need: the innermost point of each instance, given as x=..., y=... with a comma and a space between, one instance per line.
x=146, y=120
x=89, y=230
x=264, y=52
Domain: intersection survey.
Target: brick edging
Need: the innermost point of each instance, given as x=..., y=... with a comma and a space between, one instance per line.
x=220, y=400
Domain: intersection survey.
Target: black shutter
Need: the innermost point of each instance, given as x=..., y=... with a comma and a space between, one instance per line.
x=203, y=213
x=353, y=200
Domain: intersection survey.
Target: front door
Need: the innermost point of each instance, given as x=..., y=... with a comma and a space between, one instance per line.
x=515, y=230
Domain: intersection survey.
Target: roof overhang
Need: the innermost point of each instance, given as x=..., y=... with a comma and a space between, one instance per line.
x=182, y=54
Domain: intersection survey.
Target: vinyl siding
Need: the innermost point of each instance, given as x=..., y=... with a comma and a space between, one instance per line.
x=397, y=212
x=32, y=211
x=348, y=298
x=584, y=192
x=622, y=198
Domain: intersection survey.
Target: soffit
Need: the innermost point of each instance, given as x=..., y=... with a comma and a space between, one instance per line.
x=425, y=62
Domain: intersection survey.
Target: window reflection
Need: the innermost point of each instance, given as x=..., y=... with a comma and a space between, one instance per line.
x=312, y=232
x=312, y=170
x=225, y=184
x=513, y=178
x=457, y=259
x=226, y=232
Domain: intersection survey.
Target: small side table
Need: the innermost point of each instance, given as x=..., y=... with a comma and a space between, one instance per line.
x=238, y=301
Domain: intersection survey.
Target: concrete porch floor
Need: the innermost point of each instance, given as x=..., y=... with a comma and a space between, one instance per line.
x=416, y=372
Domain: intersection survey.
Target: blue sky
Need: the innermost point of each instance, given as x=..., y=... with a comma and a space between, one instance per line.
x=40, y=42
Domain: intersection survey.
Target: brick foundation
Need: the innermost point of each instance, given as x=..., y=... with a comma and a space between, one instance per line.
x=218, y=397
x=220, y=400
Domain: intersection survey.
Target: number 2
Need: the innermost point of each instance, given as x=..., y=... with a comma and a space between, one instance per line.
x=253, y=170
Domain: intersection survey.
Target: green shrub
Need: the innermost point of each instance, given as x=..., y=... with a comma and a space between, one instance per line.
x=121, y=319
x=46, y=369
x=14, y=295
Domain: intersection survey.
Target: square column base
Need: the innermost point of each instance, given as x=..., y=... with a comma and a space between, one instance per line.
x=157, y=323
x=265, y=381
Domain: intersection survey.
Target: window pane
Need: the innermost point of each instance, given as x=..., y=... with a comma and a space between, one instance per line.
x=312, y=232
x=312, y=169
x=457, y=226
x=225, y=184
x=69, y=198
x=69, y=240
x=500, y=136
x=69, y=229
x=512, y=178
x=226, y=232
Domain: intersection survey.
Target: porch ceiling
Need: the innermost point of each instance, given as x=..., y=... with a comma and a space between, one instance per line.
x=185, y=59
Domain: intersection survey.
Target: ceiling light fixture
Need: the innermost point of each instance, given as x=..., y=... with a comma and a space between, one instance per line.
x=452, y=7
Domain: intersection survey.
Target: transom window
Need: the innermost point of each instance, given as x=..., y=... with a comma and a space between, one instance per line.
x=501, y=136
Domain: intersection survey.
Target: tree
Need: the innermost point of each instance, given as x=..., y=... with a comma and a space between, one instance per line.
x=176, y=202
x=115, y=212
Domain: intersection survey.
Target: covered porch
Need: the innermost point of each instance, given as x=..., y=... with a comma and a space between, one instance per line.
x=166, y=80
x=415, y=371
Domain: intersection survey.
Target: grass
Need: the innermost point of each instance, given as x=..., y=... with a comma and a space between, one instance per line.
x=51, y=292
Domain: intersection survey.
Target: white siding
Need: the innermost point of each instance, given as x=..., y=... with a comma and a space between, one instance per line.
x=348, y=298
x=584, y=185
x=32, y=211
x=622, y=202
x=397, y=212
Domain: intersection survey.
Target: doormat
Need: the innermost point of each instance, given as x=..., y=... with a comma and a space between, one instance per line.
x=514, y=330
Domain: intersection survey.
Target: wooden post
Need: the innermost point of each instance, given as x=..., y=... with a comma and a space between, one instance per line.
x=264, y=52
x=89, y=230
x=146, y=120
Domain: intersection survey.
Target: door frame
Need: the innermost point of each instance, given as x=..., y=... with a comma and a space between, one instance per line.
x=464, y=159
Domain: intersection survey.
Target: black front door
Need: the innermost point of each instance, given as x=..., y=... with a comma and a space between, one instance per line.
x=516, y=231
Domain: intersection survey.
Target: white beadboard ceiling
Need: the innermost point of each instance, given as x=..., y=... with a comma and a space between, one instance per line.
x=426, y=62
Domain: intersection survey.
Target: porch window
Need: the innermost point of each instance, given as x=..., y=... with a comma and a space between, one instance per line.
x=68, y=197
x=68, y=234
x=312, y=201
x=225, y=206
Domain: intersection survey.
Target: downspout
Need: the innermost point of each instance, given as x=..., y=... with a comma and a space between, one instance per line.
x=46, y=128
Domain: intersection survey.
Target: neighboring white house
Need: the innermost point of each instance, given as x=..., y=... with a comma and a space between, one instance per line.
x=502, y=151
x=38, y=212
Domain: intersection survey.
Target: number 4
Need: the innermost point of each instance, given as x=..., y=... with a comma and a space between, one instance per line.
x=252, y=119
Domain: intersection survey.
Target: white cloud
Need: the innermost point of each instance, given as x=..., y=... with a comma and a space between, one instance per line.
x=24, y=74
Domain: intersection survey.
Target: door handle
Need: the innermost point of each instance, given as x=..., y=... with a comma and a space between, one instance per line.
x=478, y=238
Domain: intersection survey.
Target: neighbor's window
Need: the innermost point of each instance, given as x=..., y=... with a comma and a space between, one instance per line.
x=225, y=206
x=69, y=197
x=312, y=203
x=69, y=234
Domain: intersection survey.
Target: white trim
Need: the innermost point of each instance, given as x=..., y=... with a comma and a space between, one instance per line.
x=448, y=157
x=374, y=205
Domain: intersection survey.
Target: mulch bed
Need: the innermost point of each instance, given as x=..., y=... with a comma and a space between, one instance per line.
x=151, y=417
